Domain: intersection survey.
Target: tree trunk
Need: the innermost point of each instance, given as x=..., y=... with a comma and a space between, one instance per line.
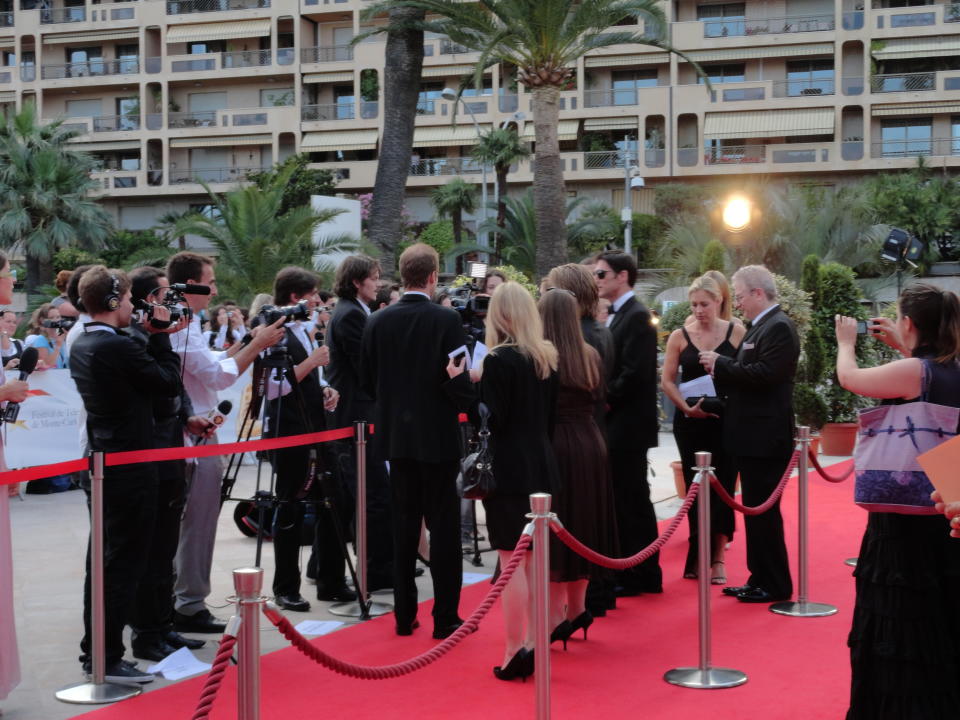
x=549, y=192
x=457, y=230
x=502, y=171
x=403, y=63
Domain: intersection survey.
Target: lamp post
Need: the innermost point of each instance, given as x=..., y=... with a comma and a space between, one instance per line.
x=736, y=215
x=631, y=179
x=451, y=95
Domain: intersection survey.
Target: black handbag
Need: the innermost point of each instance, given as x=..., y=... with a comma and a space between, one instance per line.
x=713, y=405
x=475, y=481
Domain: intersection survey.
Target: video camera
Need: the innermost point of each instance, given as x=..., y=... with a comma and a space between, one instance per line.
x=62, y=325
x=269, y=314
x=174, y=302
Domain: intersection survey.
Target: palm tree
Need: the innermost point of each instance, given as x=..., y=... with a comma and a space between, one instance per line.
x=453, y=200
x=44, y=203
x=543, y=39
x=254, y=240
x=501, y=148
x=167, y=227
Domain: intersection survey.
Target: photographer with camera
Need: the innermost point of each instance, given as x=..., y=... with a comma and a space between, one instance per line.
x=204, y=373
x=10, y=348
x=49, y=334
x=119, y=379
x=296, y=405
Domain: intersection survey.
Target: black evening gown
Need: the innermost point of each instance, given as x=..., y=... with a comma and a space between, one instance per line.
x=697, y=434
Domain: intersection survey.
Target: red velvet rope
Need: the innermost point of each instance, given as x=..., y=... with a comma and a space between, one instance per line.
x=628, y=562
x=824, y=474
x=774, y=496
x=384, y=672
x=212, y=686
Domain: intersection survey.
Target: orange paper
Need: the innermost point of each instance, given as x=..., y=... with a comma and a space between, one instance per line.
x=942, y=465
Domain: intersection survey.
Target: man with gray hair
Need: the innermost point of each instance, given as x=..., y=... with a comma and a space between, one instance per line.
x=758, y=425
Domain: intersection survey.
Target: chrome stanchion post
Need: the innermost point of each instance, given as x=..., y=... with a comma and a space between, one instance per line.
x=540, y=516
x=852, y=562
x=802, y=607
x=248, y=583
x=365, y=608
x=704, y=676
x=97, y=691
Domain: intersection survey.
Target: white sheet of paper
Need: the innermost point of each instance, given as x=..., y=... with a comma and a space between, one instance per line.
x=698, y=386
x=179, y=665
x=462, y=350
x=317, y=627
x=479, y=353
x=472, y=578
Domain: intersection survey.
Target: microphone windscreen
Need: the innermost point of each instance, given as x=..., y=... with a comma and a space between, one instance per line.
x=225, y=407
x=191, y=288
x=28, y=361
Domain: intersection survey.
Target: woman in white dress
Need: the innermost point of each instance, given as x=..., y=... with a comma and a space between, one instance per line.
x=14, y=391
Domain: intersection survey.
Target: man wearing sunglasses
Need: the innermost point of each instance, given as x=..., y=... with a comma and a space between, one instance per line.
x=632, y=426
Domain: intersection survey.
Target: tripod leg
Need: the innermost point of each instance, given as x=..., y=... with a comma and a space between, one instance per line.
x=330, y=505
x=475, y=561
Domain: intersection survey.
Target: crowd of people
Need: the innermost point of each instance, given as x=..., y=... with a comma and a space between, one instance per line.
x=570, y=382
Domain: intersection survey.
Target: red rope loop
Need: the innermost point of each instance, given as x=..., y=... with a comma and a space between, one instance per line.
x=383, y=672
x=212, y=686
x=824, y=474
x=770, y=501
x=628, y=562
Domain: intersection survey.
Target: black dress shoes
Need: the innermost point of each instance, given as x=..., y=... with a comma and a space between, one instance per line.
x=442, y=632
x=625, y=591
x=152, y=647
x=201, y=622
x=175, y=639
x=734, y=590
x=296, y=603
x=340, y=594
x=758, y=595
x=405, y=630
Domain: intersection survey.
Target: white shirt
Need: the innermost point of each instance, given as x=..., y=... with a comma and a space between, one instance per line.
x=301, y=331
x=617, y=304
x=204, y=371
x=757, y=318
x=77, y=329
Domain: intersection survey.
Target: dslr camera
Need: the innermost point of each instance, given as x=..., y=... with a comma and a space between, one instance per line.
x=269, y=314
x=62, y=325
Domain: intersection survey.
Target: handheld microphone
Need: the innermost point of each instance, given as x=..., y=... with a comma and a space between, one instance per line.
x=190, y=288
x=28, y=361
x=218, y=415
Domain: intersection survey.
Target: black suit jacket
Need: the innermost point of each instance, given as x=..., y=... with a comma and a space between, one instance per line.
x=293, y=419
x=758, y=385
x=632, y=422
x=344, y=337
x=403, y=360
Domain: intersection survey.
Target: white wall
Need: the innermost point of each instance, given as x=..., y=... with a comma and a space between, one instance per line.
x=346, y=223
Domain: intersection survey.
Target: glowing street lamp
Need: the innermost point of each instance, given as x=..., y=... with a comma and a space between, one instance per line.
x=736, y=214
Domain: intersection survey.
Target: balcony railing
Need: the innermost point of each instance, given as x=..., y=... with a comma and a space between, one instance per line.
x=426, y=107
x=602, y=159
x=852, y=85
x=53, y=16
x=448, y=47
x=430, y=167
x=6, y=19
x=610, y=97
x=212, y=175
x=91, y=68
x=28, y=73
x=286, y=56
x=937, y=147
x=735, y=155
x=6, y=77
x=115, y=123
x=853, y=20
x=335, y=111
x=767, y=26
x=951, y=13
x=334, y=53
x=245, y=58
x=221, y=61
x=904, y=82
x=187, y=7
x=369, y=109
x=508, y=103
x=200, y=119
x=803, y=88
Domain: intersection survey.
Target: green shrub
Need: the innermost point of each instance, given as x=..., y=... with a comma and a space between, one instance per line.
x=714, y=257
x=439, y=236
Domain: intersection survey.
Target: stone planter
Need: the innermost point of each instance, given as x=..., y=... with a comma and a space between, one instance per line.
x=677, y=468
x=838, y=438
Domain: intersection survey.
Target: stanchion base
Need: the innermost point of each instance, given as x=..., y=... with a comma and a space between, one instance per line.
x=803, y=609
x=709, y=679
x=88, y=693
x=352, y=609
x=852, y=562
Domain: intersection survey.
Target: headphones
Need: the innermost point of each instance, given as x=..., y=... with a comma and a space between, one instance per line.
x=112, y=300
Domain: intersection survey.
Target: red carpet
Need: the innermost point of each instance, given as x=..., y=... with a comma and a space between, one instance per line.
x=797, y=667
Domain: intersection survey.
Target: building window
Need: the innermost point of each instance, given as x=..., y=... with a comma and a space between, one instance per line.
x=207, y=46
x=912, y=136
x=730, y=73
x=810, y=77
x=955, y=135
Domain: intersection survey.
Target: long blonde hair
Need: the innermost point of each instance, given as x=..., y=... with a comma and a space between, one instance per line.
x=715, y=285
x=513, y=321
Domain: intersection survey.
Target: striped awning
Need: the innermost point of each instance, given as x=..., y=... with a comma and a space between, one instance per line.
x=7, y=97
x=449, y=70
x=447, y=135
x=566, y=130
x=328, y=77
x=218, y=31
x=339, y=140
x=919, y=47
x=108, y=146
x=915, y=109
x=769, y=123
x=223, y=141
x=748, y=53
x=82, y=37
x=620, y=123
x=620, y=60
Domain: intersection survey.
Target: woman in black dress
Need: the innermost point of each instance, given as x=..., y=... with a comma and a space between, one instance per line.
x=583, y=499
x=905, y=639
x=694, y=428
x=518, y=383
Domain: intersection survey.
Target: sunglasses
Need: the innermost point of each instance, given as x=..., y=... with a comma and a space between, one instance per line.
x=12, y=274
x=602, y=273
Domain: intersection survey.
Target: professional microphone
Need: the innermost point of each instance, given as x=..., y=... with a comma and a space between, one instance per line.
x=28, y=361
x=191, y=289
x=218, y=416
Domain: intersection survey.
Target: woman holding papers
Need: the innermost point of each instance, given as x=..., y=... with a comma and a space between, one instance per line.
x=697, y=424
x=905, y=639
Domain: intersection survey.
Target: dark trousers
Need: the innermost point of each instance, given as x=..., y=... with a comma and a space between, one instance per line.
x=153, y=606
x=291, y=466
x=426, y=491
x=379, y=501
x=766, y=550
x=129, y=507
x=636, y=519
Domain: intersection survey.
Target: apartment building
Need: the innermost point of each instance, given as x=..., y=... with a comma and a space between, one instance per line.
x=168, y=92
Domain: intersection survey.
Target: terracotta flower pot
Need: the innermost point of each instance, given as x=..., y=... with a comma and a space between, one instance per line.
x=815, y=444
x=838, y=438
x=681, y=487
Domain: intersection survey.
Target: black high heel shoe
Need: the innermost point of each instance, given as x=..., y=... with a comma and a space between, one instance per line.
x=582, y=622
x=562, y=632
x=520, y=666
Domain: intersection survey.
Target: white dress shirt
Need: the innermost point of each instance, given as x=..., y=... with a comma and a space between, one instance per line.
x=204, y=370
x=301, y=331
x=769, y=309
x=617, y=304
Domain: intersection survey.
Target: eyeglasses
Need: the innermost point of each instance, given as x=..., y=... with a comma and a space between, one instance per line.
x=739, y=298
x=602, y=273
x=12, y=274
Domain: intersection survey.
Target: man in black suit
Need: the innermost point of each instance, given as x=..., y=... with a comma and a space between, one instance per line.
x=404, y=354
x=632, y=425
x=758, y=427
x=356, y=286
